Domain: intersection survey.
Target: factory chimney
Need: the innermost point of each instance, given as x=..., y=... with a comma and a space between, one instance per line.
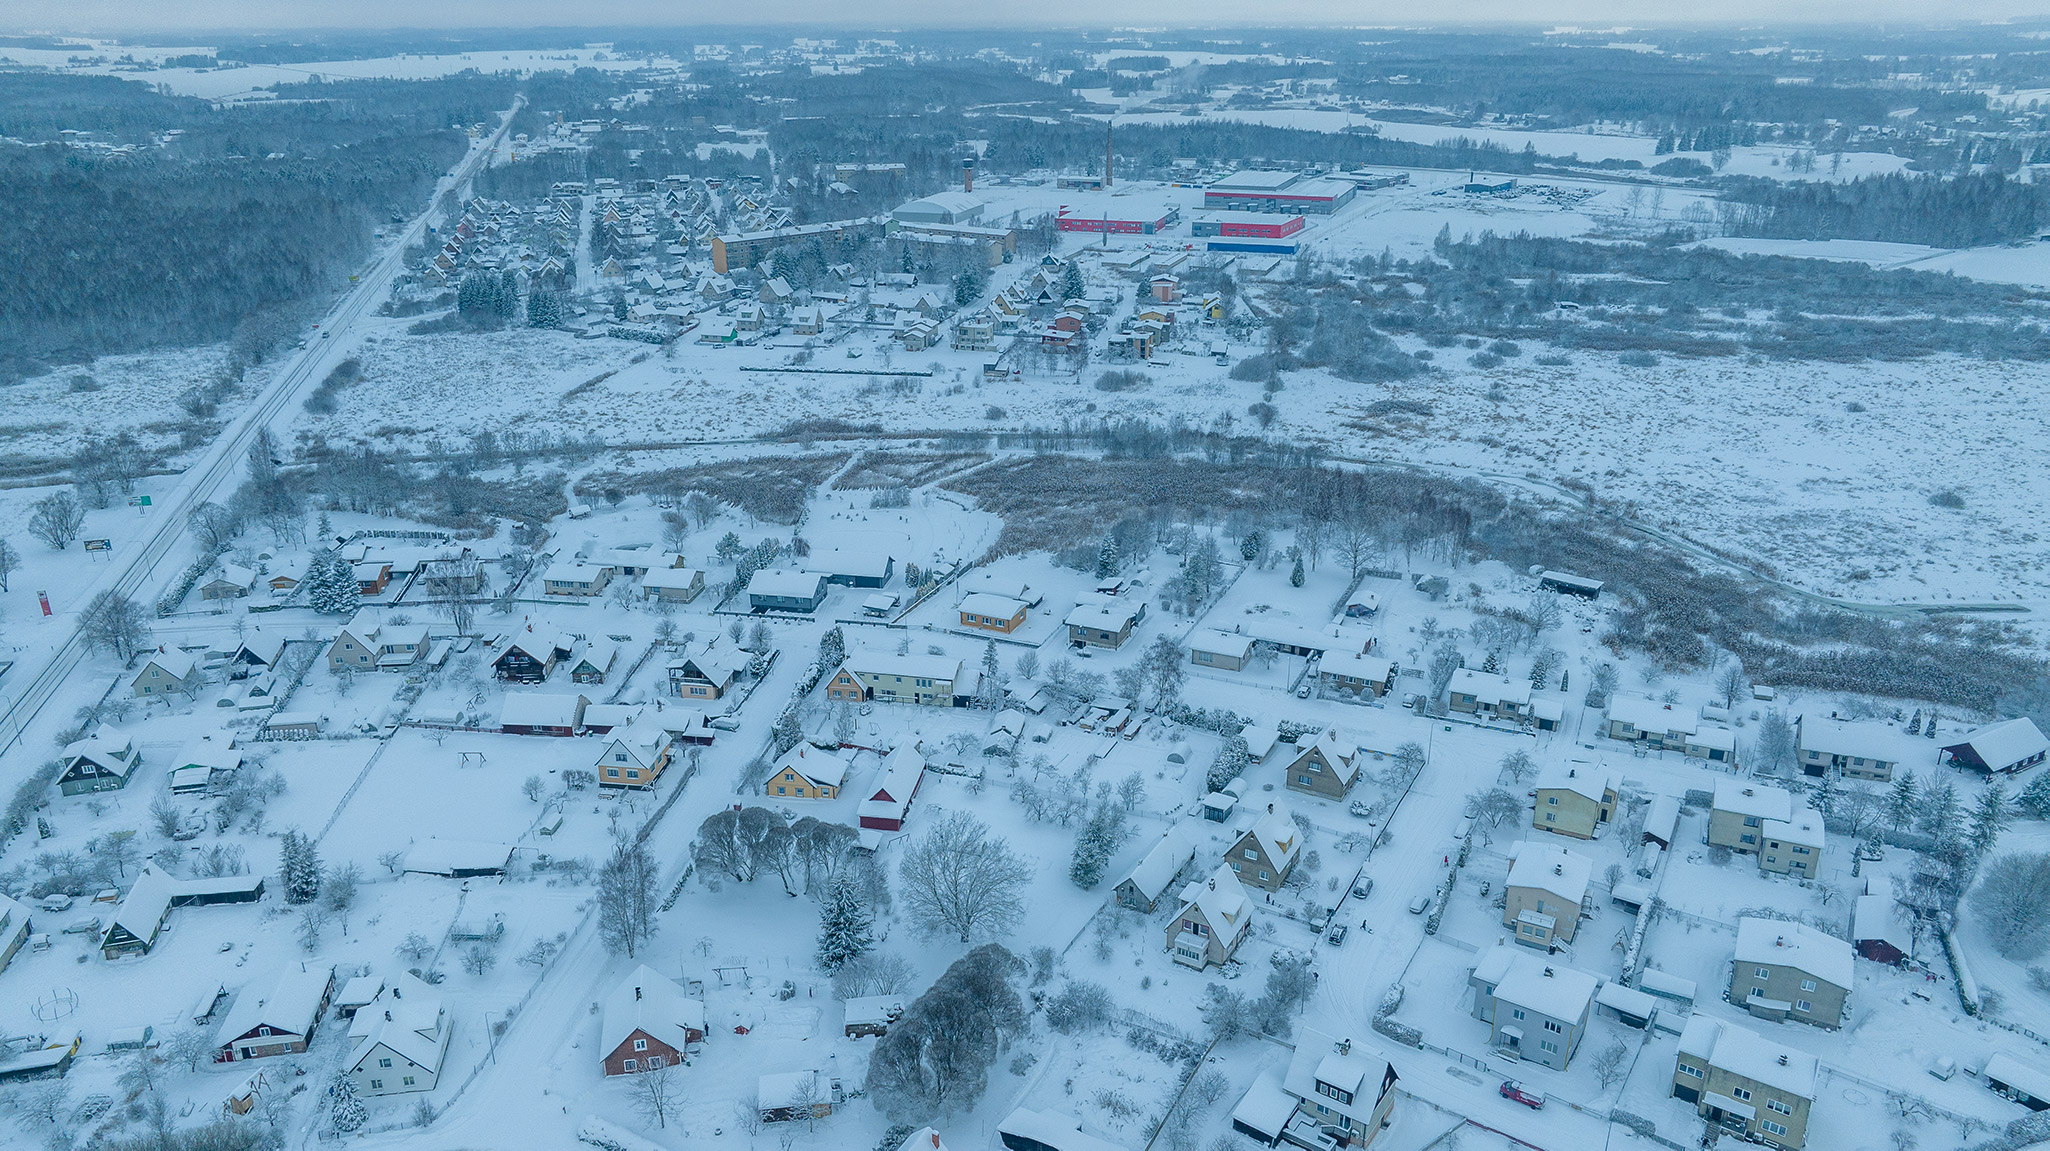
x=1108, y=153
x=968, y=175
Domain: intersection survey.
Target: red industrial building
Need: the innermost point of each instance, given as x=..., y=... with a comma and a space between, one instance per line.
x=1127, y=220
x=1256, y=225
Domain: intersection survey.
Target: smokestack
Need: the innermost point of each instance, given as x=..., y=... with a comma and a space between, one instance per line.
x=1108, y=154
x=968, y=175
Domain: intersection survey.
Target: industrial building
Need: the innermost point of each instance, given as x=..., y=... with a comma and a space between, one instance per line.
x=1268, y=191
x=1248, y=225
x=941, y=208
x=1126, y=220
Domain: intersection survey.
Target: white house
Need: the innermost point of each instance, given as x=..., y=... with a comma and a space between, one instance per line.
x=397, y=1041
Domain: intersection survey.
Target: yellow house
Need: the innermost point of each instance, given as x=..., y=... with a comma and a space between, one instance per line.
x=807, y=772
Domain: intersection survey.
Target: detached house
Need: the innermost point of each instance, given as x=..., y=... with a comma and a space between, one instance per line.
x=1857, y=750
x=1356, y=673
x=165, y=673
x=575, y=578
x=398, y=1040
x=1265, y=855
x=1141, y=890
x=931, y=680
x=386, y=647
x=530, y=657
x=988, y=612
x=1741, y=810
x=104, y=761
x=1546, y=889
x=673, y=585
x=709, y=674
x=1213, y=921
x=1783, y=970
x=1635, y=719
x=807, y=772
x=1537, y=1011
x=1223, y=650
x=1104, y=623
x=1326, y=768
x=594, y=662
x=1573, y=799
x=648, y=1023
x=1744, y=1083
x=889, y=803
x=278, y=1020
x=786, y=591
x=541, y=713
x=634, y=755
x=2008, y=746
x=1480, y=693
x=233, y=582
x=1341, y=1095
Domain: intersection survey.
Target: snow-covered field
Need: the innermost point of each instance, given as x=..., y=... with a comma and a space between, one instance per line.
x=244, y=80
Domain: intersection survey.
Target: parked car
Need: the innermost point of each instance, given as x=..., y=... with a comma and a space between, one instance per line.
x=1337, y=936
x=87, y=926
x=1486, y=887
x=1417, y=905
x=1362, y=809
x=1512, y=1090
x=1363, y=888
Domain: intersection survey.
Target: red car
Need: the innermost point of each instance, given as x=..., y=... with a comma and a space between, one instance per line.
x=1511, y=1089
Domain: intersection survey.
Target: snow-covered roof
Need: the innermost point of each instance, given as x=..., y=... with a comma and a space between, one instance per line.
x=291, y=1005
x=649, y=1002
x=795, y=585
x=923, y=1139
x=1578, y=778
x=1265, y=1107
x=434, y=856
x=540, y=709
x=1528, y=981
x=1317, y=1057
x=1782, y=944
x=1626, y=1000
x=1104, y=615
x=1663, y=819
x=1161, y=865
x=988, y=604
x=1666, y=983
x=1803, y=829
x=1744, y=1052
x=1260, y=739
x=822, y=767
x=1651, y=715
x=1278, y=836
x=938, y=668
x=1878, y=917
x=1486, y=687
x=408, y=1018
x=1746, y=798
x=667, y=577
x=642, y=739
x=607, y=716
x=174, y=663
x=861, y=562
x=788, y=1089
x=2013, y=1072
x=2004, y=744
x=866, y=1009
x=358, y=992
x=1216, y=641
x=1052, y=1129
x=144, y=906
x=1221, y=899
x=575, y=571
x=107, y=748
x=1832, y=736
x=1358, y=665
x=1546, y=867
x=1341, y=753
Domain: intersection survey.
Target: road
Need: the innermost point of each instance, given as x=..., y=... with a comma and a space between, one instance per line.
x=133, y=574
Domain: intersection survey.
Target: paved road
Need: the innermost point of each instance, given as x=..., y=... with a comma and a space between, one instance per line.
x=135, y=573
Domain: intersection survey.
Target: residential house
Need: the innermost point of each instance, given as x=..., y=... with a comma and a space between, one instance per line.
x=1538, y=1011
x=931, y=680
x=1142, y=889
x=1213, y=921
x=1782, y=970
x=750, y=317
x=233, y=582
x=918, y=335
x=974, y=335
x=103, y=761
x=593, y=662
x=1546, y=890
x=530, y=657
x=1573, y=799
x=673, y=585
x=1745, y=1084
x=258, y=653
x=1343, y=1097
x=1224, y=650
x=1856, y=750
x=165, y=672
x=1166, y=289
x=203, y=765
x=853, y=568
x=1880, y=932
x=372, y=576
x=792, y=1095
x=385, y=647
x=809, y=321
x=1793, y=846
x=1636, y=719
x=634, y=755
x=866, y=1015
x=398, y=1040
x=786, y=591
x=709, y=674
x=888, y=805
x=1357, y=673
x=277, y=1020
x=988, y=612
x=1264, y=856
x=1485, y=694
x=1740, y=811
x=541, y=713
x=282, y=584
x=14, y=928
x=2008, y=746
x=1326, y=768
x=1104, y=623
x=575, y=578
x=807, y=772
x=647, y=1023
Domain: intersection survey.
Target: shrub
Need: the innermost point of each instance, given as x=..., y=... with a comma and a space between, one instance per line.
x=1505, y=349
x=1255, y=369
x=1485, y=360
x=1121, y=380
x=1947, y=498
x=1553, y=360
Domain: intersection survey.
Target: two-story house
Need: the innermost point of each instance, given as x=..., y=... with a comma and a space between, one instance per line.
x=1215, y=916
x=634, y=756
x=1150, y=879
x=398, y=1040
x=1793, y=846
x=1104, y=623
x=1781, y=970
x=1857, y=750
x=931, y=680
x=1325, y=768
x=1547, y=887
x=1264, y=856
x=1744, y=1083
x=531, y=656
x=1342, y=1096
x=709, y=674
x=1667, y=727
x=358, y=646
x=1740, y=811
x=1536, y=1011
x=103, y=761
x=807, y=772
x=166, y=671
x=647, y=1024
x=1573, y=799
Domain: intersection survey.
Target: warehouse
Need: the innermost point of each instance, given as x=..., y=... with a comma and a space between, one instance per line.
x=1290, y=192
x=1247, y=225
x=1132, y=220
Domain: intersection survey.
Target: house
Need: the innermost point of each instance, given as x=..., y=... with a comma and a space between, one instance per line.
x=1342, y=1096
x=1166, y=289
x=1224, y=650
x=37, y=1062
x=794, y=1094
x=2024, y=1082
x=974, y=335
x=1546, y=890
x=1027, y=1130
x=576, y=578
x=386, y=647
x=1264, y=856
x=1880, y=932
x=601, y=718
x=1744, y=1083
x=634, y=755
x=1572, y=585
x=809, y=321
x=1104, y=623
x=256, y=654
x=1740, y=811
x=165, y=673
x=1149, y=880
x=709, y=674
x=1636, y=719
x=1481, y=693
x=1793, y=846
x=850, y=568
x=2010, y=746
x=918, y=335
x=594, y=662
x=992, y=612
x=233, y=582
x=14, y=929
x=276, y=1020
x=1213, y=921
x=870, y=1015
x=1783, y=970
x=889, y=803
x=1356, y=673
x=1538, y=1011
x=785, y=591
x=1573, y=799
x=647, y=1023
x=750, y=317
x=204, y=765
x=673, y=585
x=541, y=713
x=530, y=658
x=141, y=914
x=932, y=680
x=398, y=1040
x=372, y=576
x=1324, y=768
x=1856, y=750
x=807, y=772
x=103, y=761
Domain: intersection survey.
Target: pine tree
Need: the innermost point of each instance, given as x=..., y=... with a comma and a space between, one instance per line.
x=299, y=868
x=844, y=927
x=1231, y=760
x=345, y=1107
x=1939, y=812
x=1295, y=575
x=1095, y=844
x=1249, y=547
x=1915, y=723
x=1902, y=802
x=2034, y=801
x=1107, y=558
x=544, y=309
x=1990, y=817
x=991, y=691
x=1491, y=665
x=331, y=585
x=1072, y=287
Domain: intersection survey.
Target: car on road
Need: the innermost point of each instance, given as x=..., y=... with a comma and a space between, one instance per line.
x=1516, y=1092
x=1337, y=936
x=1363, y=888
x=1417, y=905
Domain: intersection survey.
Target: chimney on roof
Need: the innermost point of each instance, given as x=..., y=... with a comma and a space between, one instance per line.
x=935, y=1139
x=1783, y=1061
x=1548, y=973
x=1270, y=809
x=1213, y=883
x=1558, y=869
x=387, y=1017
x=637, y=993
x=1781, y=941
x=1343, y=1046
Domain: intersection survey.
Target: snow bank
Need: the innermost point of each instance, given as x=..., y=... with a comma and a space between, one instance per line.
x=599, y=1133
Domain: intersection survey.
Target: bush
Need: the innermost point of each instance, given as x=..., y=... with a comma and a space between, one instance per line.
x=1553, y=360
x=1505, y=349
x=1079, y=1006
x=1257, y=369
x=1485, y=360
x=1682, y=166
x=1121, y=380
x=1947, y=498
x=1402, y=1033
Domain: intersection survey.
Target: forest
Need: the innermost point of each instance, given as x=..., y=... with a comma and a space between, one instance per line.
x=1943, y=212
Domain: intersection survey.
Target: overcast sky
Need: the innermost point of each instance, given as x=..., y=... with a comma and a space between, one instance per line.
x=267, y=15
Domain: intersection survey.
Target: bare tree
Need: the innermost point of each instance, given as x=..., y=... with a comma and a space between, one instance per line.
x=655, y=1092
x=1611, y=1063
x=2013, y=904
x=112, y=622
x=56, y=519
x=1518, y=766
x=627, y=898
x=1732, y=684
x=9, y=560
x=960, y=879
x=1495, y=804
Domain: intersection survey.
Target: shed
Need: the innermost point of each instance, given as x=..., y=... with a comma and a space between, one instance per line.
x=1652, y=981
x=1661, y=821
x=2025, y=1084
x=1626, y=1005
x=458, y=858
x=1264, y=1110
x=2010, y=745
x=871, y=1014
x=1568, y=584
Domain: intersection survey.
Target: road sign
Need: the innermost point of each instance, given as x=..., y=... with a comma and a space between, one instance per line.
x=138, y=501
x=99, y=545
x=43, y=597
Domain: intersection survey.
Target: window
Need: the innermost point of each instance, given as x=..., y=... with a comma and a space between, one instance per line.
x=1516, y=1012
x=654, y=1062
x=1552, y=1027
x=1763, y=973
x=1743, y=1093
x=1252, y=854
x=619, y=757
x=1803, y=1005
x=1551, y=817
x=629, y=1064
x=377, y=1084
x=1747, y=839
x=1553, y=800
x=613, y=773
x=384, y=1063
x=640, y=1045
x=1548, y=1045
x=1802, y=851
x=1807, y=985
x=1773, y=1128
x=1302, y=780
x=1235, y=865
x=263, y=1031
x=1343, y=1096
x=1779, y=1106
x=1772, y=859
x=1264, y=877
x=406, y=1082
x=1752, y=821
x=1696, y=1072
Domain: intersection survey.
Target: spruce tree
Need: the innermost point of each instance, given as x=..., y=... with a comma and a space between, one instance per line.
x=346, y=1108
x=2034, y=801
x=1072, y=287
x=1902, y=802
x=299, y=868
x=1095, y=844
x=1491, y=665
x=844, y=927
x=1230, y=763
x=1939, y=812
x=1107, y=559
x=1990, y=817
x=1295, y=575
x=1249, y=547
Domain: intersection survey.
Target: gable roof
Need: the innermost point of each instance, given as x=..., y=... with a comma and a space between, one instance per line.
x=1104, y=615
x=1278, y=837
x=1530, y=981
x=1832, y=736
x=1220, y=898
x=821, y=767
x=1153, y=873
x=648, y=1002
x=540, y=709
x=407, y=1016
x=1757, y=799
x=1578, y=778
x=1651, y=715
x=1546, y=867
x=1782, y=944
x=177, y=664
x=2000, y=744
x=938, y=668
x=1357, y=1071
x=291, y=1004
x=1745, y=1052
